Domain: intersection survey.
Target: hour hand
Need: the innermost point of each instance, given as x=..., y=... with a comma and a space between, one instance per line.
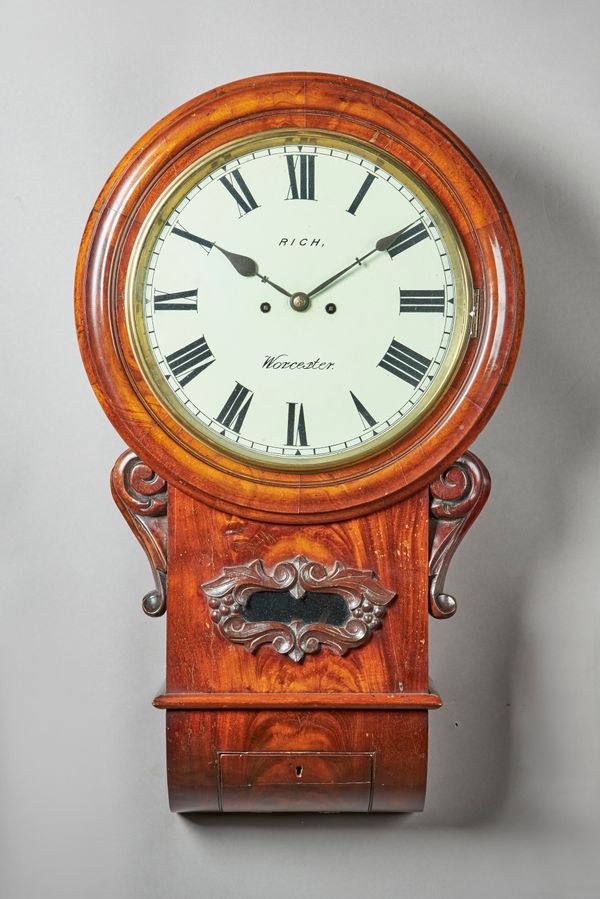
x=243, y=265
x=248, y=268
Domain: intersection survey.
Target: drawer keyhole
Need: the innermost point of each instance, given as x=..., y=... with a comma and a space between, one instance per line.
x=298, y=770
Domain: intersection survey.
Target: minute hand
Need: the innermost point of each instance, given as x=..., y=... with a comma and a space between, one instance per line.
x=382, y=245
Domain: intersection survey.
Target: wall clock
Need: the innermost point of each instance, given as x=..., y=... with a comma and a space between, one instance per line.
x=299, y=299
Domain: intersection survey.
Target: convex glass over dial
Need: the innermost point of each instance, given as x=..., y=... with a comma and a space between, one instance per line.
x=298, y=299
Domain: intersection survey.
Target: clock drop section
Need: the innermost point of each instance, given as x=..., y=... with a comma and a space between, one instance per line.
x=261, y=721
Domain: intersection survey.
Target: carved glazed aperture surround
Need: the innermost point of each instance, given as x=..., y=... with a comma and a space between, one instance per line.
x=141, y=495
x=456, y=499
x=229, y=593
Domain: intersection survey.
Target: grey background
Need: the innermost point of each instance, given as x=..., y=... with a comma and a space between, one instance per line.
x=513, y=787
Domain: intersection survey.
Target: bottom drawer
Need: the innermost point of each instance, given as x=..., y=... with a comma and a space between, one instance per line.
x=304, y=781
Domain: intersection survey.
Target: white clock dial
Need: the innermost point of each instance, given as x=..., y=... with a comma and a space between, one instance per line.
x=301, y=302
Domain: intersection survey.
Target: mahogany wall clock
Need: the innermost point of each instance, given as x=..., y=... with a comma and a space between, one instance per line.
x=299, y=299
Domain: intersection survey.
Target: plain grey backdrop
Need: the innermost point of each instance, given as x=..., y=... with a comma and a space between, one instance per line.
x=513, y=787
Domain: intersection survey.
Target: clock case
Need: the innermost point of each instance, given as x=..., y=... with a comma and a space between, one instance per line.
x=272, y=705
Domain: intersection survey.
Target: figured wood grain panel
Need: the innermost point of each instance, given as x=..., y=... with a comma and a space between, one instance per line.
x=393, y=542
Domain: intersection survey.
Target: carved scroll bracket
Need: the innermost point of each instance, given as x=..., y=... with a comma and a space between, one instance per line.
x=365, y=598
x=141, y=495
x=456, y=499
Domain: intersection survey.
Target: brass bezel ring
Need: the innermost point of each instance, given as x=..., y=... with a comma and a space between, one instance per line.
x=162, y=210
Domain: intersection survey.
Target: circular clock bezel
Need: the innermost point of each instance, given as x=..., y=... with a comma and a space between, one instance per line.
x=145, y=243
x=352, y=109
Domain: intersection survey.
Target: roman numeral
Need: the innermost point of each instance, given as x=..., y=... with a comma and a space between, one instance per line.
x=408, y=237
x=194, y=238
x=365, y=416
x=405, y=363
x=421, y=300
x=245, y=201
x=183, y=299
x=296, y=426
x=305, y=167
x=361, y=194
x=190, y=360
x=234, y=411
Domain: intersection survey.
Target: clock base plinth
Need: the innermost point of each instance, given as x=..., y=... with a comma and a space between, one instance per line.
x=297, y=760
